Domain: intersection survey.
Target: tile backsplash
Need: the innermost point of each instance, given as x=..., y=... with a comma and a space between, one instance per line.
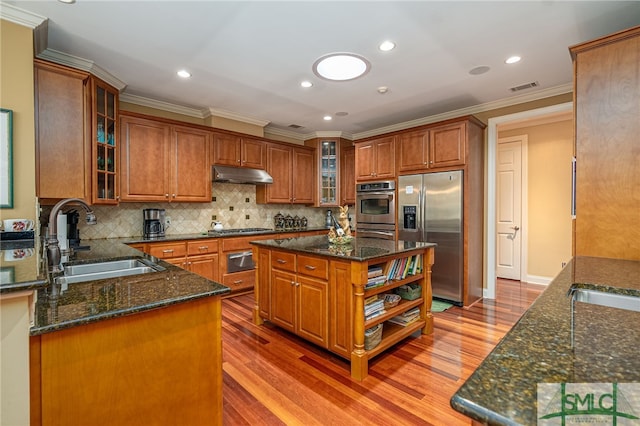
x=234, y=206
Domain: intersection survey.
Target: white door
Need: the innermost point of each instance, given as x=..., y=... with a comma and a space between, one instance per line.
x=509, y=208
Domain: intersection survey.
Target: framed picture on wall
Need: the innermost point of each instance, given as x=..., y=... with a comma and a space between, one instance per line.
x=6, y=158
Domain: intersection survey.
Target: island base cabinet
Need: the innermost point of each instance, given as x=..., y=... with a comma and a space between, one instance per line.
x=157, y=367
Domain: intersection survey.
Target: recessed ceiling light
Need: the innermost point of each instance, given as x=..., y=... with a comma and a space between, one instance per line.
x=184, y=74
x=306, y=84
x=327, y=118
x=341, y=66
x=383, y=89
x=386, y=46
x=512, y=60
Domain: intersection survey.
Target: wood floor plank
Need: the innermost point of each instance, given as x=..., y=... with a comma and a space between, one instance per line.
x=272, y=377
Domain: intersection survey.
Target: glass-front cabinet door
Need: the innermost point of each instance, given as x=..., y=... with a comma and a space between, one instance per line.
x=329, y=155
x=105, y=143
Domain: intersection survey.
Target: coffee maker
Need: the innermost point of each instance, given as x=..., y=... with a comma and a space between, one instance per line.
x=153, y=223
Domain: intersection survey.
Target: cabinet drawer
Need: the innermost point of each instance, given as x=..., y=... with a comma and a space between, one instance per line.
x=233, y=244
x=239, y=280
x=283, y=260
x=166, y=251
x=202, y=247
x=313, y=267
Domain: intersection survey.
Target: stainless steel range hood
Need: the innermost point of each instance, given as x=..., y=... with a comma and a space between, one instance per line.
x=240, y=175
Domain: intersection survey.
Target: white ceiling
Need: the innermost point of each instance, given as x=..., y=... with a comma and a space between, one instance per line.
x=249, y=57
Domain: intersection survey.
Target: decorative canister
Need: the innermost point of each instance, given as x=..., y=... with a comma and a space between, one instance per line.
x=303, y=222
x=296, y=223
x=278, y=221
x=288, y=222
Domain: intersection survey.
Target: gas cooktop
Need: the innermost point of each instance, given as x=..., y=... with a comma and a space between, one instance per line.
x=239, y=231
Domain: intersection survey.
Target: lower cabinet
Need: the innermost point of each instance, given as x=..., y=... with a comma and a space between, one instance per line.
x=299, y=292
x=199, y=256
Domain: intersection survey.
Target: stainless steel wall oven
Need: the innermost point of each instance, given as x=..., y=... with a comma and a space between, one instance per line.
x=376, y=209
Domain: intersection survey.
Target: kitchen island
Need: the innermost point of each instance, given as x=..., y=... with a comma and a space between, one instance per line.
x=138, y=349
x=557, y=341
x=319, y=291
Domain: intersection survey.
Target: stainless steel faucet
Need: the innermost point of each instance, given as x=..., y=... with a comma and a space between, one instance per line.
x=53, y=247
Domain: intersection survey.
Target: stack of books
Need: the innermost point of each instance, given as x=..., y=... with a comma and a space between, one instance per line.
x=376, y=277
x=373, y=307
x=400, y=268
x=406, y=318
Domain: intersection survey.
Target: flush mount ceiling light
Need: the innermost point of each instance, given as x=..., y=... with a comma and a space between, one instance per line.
x=306, y=84
x=387, y=45
x=327, y=118
x=184, y=74
x=512, y=59
x=341, y=66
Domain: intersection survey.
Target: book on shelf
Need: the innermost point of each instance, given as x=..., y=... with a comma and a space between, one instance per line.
x=374, y=271
x=407, y=317
x=374, y=314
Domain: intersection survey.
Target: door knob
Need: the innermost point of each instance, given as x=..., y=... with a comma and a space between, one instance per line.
x=515, y=228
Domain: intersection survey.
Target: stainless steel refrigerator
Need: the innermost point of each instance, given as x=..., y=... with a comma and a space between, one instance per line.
x=430, y=209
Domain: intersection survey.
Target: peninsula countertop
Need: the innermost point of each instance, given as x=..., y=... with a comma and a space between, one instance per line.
x=549, y=344
x=59, y=306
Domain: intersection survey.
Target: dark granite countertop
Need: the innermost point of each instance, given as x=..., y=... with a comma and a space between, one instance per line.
x=19, y=267
x=359, y=249
x=212, y=234
x=600, y=346
x=59, y=306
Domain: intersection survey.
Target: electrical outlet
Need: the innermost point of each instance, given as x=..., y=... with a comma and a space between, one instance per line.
x=167, y=220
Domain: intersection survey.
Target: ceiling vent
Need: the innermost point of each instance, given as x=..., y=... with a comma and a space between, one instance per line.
x=295, y=126
x=525, y=86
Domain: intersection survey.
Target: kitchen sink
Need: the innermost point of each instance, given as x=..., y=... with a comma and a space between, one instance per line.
x=107, y=269
x=611, y=300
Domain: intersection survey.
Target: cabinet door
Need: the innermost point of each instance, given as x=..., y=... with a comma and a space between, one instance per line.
x=341, y=299
x=263, y=287
x=283, y=299
x=347, y=176
x=254, y=153
x=144, y=154
x=279, y=160
x=365, y=161
x=62, y=139
x=385, y=158
x=413, y=151
x=312, y=310
x=191, y=170
x=329, y=171
x=447, y=145
x=205, y=266
x=227, y=149
x=105, y=143
x=304, y=173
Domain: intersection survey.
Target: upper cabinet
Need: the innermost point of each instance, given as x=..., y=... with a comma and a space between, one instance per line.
x=440, y=146
x=375, y=159
x=239, y=151
x=607, y=125
x=76, y=135
x=347, y=176
x=105, y=143
x=294, y=175
x=164, y=161
x=331, y=178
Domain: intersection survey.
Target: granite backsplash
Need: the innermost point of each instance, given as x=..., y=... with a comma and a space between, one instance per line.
x=234, y=205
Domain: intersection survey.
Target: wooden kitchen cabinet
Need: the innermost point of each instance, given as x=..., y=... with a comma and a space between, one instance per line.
x=293, y=170
x=197, y=256
x=607, y=125
x=375, y=159
x=239, y=151
x=300, y=295
x=163, y=161
x=76, y=135
x=347, y=176
x=433, y=147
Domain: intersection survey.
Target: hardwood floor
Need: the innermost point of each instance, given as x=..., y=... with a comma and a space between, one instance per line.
x=272, y=377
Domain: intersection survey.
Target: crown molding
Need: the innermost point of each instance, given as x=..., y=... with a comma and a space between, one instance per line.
x=306, y=136
x=223, y=113
x=502, y=103
x=82, y=64
x=163, y=106
x=20, y=16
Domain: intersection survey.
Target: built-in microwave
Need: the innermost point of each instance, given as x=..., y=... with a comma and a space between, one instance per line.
x=375, y=203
